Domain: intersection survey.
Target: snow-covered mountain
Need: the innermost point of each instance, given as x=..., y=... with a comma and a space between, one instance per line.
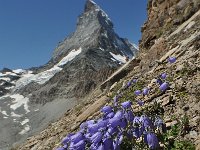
x=30, y=99
x=95, y=30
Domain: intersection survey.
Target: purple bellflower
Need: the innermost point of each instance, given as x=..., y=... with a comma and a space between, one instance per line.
x=77, y=137
x=123, y=123
x=163, y=75
x=171, y=59
x=114, y=122
x=66, y=139
x=129, y=116
x=126, y=104
x=110, y=115
x=146, y=121
x=79, y=146
x=134, y=80
x=137, y=132
x=101, y=147
x=106, y=109
x=96, y=138
x=160, y=125
x=93, y=128
x=112, y=131
x=119, y=114
x=164, y=86
x=136, y=120
x=116, y=144
x=140, y=103
x=145, y=91
x=159, y=81
x=137, y=92
x=107, y=143
x=102, y=124
x=152, y=141
x=129, y=84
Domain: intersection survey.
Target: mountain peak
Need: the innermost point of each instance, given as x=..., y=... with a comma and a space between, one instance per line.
x=90, y=5
x=94, y=30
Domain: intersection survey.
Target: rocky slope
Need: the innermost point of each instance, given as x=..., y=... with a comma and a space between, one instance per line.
x=172, y=29
x=79, y=63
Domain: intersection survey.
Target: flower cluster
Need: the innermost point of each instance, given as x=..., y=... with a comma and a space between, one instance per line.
x=118, y=122
x=108, y=132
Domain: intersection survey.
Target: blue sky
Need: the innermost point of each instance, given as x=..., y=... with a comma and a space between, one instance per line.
x=31, y=29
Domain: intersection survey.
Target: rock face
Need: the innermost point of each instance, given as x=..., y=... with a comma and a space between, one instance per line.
x=163, y=17
x=172, y=29
x=78, y=65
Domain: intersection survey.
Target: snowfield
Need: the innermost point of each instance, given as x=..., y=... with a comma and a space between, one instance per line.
x=118, y=57
x=18, y=71
x=45, y=76
x=25, y=130
x=19, y=100
x=25, y=121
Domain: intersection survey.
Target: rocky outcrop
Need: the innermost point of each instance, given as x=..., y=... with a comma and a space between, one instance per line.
x=172, y=29
x=163, y=17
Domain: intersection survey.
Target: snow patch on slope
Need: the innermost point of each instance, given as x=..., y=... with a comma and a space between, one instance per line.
x=135, y=46
x=69, y=57
x=5, y=79
x=118, y=57
x=45, y=76
x=18, y=71
x=25, y=130
x=16, y=115
x=19, y=101
x=25, y=121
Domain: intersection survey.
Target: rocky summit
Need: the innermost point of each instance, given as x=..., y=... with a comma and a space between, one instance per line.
x=30, y=99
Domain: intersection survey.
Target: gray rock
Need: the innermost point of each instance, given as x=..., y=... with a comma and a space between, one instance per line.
x=166, y=100
x=194, y=121
x=179, y=67
x=180, y=84
x=193, y=134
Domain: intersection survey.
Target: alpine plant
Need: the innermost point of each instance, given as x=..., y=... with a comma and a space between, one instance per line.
x=118, y=122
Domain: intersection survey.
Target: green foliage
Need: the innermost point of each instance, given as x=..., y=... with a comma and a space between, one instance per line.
x=183, y=145
x=186, y=71
x=139, y=85
x=153, y=109
x=130, y=92
x=170, y=78
x=168, y=139
x=159, y=32
x=182, y=94
x=117, y=87
x=175, y=130
x=126, y=144
x=185, y=120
